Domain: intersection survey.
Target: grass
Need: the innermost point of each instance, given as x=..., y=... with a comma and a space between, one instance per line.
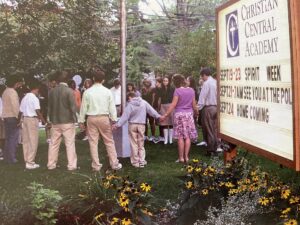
x=162, y=173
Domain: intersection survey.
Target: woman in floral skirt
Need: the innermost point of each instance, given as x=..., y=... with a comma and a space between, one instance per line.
x=184, y=106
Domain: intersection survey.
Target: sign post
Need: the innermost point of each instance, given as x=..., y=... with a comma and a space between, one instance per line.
x=258, y=75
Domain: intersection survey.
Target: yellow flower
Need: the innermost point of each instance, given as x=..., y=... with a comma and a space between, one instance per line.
x=286, y=211
x=233, y=191
x=253, y=173
x=221, y=172
x=124, y=202
x=205, y=173
x=189, y=184
x=99, y=215
x=211, y=169
x=264, y=201
x=198, y=170
x=229, y=184
x=204, y=192
x=270, y=189
x=221, y=184
x=255, y=178
x=114, y=221
x=294, y=199
x=291, y=222
x=106, y=184
x=195, y=160
x=190, y=169
x=247, y=181
x=145, y=187
x=126, y=221
x=285, y=193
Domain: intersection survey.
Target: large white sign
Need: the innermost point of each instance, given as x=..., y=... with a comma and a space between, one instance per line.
x=255, y=75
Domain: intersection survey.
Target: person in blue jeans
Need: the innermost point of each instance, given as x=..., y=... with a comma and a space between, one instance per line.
x=11, y=116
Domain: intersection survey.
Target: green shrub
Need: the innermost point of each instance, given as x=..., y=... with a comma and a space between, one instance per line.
x=44, y=204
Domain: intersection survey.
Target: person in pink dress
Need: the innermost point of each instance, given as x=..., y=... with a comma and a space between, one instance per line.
x=184, y=107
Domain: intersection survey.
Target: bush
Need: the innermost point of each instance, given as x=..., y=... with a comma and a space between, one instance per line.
x=44, y=204
x=110, y=200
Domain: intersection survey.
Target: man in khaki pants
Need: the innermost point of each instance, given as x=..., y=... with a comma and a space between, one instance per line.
x=99, y=107
x=30, y=109
x=62, y=115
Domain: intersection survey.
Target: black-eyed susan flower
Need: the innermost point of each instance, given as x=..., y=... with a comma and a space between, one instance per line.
x=253, y=173
x=189, y=184
x=285, y=193
x=286, y=211
x=229, y=184
x=264, y=201
x=255, y=178
x=126, y=221
x=123, y=202
x=233, y=191
x=145, y=187
x=189, y=169
x=195, y=160
x=204, y=192
x=247, y=181
x=294, y=199
x=271, y=189
x=291, y=222
x=198, y=169
x=114, y=221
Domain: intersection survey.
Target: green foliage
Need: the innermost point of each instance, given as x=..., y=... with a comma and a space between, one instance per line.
x=189, y=51
x=44, y=203
x=39, y=36
x=113, y=198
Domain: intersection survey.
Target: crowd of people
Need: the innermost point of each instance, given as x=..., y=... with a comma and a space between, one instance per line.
x=173, y=103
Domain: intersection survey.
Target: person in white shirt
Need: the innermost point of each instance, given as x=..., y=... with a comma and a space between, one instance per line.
x=116, y=91
x=30, y=109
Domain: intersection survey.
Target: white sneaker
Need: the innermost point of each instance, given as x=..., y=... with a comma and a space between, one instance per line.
x=85, y=138
x=151, y=138
x=202, y=143
x=155, y=140
x=32, y=166
x=161, y=139
x=118, y=167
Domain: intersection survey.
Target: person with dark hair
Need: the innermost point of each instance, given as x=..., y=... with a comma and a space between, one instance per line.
x=156, y=106
x=135, y=113
x=77, y=95
x=116, y=92
x=165, y=99
x=130, y=87
x=30, y=109
x=62, y=116
x=2, y=131
x=11, y=115
x=201, y=118
x=148, y=96
x=208, y=103
x=99, y=107
x=185, y=107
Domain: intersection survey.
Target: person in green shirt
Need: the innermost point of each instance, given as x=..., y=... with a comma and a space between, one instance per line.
x=99, y=107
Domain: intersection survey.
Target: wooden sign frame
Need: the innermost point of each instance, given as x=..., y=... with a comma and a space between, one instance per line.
x=294, y=20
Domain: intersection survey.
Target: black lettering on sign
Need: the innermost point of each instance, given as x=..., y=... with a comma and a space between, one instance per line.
x=274, y=73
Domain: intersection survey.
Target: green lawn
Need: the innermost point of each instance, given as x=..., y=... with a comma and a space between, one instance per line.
x=162, y=173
